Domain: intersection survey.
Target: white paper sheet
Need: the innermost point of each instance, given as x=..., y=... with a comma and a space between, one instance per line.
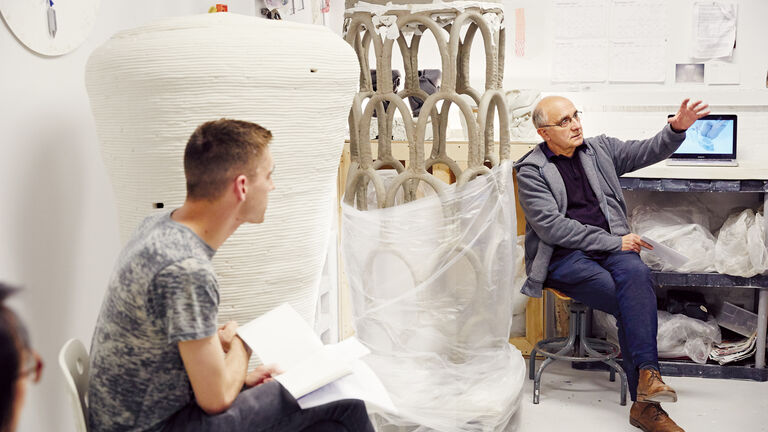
x=637, y=19
x=330, y=363
x=349, y=348
x=313, y=372
x=721, y=73
x=637, y=61
x=714, y=29
x=666, y=253
x=280, y=336
x=580, y=19
x=618, y=41
x=580, y=61
x=362, y=384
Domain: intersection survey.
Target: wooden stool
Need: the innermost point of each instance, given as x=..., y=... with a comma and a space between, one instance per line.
x=571, y=348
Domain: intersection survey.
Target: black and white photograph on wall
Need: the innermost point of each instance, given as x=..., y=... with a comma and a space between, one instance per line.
x=691, y=73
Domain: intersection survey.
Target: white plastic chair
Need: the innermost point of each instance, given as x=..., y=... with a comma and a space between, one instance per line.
x=74, y=362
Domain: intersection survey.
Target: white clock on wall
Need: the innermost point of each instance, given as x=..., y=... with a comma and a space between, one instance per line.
x=50, y=27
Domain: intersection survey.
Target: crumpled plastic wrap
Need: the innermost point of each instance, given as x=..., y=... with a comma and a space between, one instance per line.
x=520, y=104
x=678, y=335
x=431, y=289
x=519, y=300
x=741, y=245
x=684, y=229
x=738, y=248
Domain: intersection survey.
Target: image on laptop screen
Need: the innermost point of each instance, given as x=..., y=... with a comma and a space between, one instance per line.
x=711, y=137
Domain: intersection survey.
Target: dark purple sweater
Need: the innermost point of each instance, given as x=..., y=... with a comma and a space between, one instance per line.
x=582, y=202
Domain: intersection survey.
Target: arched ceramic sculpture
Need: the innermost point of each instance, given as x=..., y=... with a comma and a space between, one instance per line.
x=151, y=86
x=430, y=280
x=454, y=26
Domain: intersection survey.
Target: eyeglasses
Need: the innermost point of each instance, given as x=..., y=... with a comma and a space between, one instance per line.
x=33, y=366
x=564, y=123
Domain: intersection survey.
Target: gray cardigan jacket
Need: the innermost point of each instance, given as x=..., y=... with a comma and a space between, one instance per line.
x=543, y=197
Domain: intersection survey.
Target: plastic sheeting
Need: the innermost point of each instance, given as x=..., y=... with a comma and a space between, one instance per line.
x=685, y=229
x=431, y=287
x=740, y=248
x=741, y=245
x=678, y=336
x=519, y=300
x=387, y=175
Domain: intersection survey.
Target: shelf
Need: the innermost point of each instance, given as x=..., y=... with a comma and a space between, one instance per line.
x=751, y=167
x=685, y=185
x=683, y=368
x=708, y=280
x=743, y=370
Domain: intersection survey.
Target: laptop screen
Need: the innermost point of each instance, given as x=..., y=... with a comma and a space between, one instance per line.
x=710, y=137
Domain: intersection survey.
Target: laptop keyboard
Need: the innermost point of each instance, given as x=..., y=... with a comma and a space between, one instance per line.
x=702, y=162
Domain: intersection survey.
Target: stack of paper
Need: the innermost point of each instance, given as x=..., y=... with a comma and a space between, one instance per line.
x=313, y=373
x=727, y=352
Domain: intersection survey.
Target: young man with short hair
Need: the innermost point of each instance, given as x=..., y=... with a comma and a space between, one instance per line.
x=158, y=360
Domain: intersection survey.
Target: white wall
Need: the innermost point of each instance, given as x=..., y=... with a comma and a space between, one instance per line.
x=58, y=221
x=533, y=70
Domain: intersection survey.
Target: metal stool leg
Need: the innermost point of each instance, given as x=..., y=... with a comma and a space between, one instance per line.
x=586, y=348
x=570, y=346
x=577, y=347
x=537, y=380
x=615, y=366
x=610, y=362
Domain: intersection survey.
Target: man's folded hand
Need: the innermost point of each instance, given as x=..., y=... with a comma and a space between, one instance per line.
x=261, y=375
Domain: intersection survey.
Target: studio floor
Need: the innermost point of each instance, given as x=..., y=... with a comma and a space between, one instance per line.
x=577, y=400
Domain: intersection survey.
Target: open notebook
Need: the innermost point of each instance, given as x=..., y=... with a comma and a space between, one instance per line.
x=313, y=373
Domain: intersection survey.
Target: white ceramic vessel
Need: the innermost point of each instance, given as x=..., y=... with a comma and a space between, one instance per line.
x=151, y=86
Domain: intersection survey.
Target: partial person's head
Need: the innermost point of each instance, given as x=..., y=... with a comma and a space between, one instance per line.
x=230, y=158
x=557, y=122
x=18, y=363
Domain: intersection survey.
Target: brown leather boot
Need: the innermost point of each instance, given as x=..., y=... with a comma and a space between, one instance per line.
x=651, y=418
x=650, y=388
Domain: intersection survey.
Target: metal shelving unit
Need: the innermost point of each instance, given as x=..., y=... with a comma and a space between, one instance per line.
x=741, y=370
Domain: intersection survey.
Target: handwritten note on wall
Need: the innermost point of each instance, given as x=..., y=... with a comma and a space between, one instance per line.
x=714, y=29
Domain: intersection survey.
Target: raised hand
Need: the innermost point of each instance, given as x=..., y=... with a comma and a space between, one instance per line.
x=687, y=114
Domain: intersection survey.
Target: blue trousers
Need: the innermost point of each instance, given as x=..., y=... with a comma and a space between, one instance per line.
x=270, y=408
x=618, y=283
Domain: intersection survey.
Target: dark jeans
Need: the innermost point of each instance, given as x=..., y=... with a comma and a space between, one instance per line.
x=270, y=408
x=618, y=283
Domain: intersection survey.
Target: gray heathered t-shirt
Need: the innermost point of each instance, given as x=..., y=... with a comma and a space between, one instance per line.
x=163, y=290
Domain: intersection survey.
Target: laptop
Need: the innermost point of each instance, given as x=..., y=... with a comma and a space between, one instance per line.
x=710, y=141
